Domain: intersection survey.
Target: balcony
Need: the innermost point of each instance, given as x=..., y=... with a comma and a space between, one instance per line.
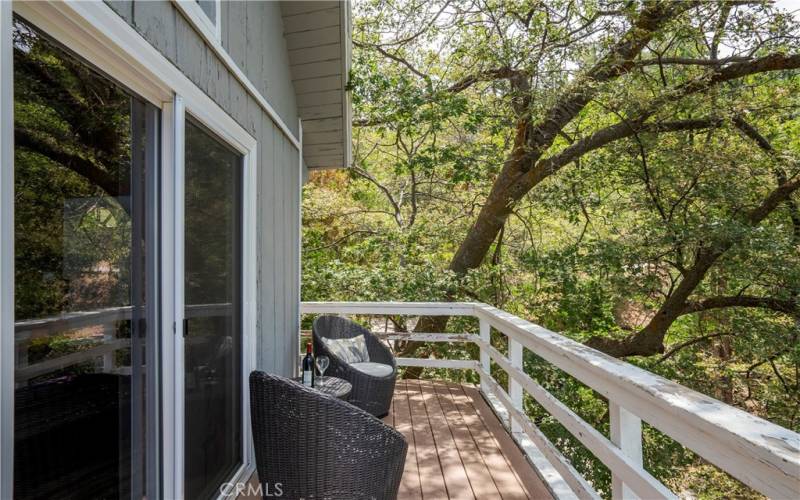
x=764, y=456
x=470, y=441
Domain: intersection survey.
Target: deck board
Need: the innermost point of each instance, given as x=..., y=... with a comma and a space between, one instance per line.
x=455, y=474
x=500, y=468
x=480, y=478
x=430, y=470
x=410, y=486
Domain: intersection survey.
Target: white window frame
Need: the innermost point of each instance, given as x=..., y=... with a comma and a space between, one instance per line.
x=95, y=32
x=211, y=30
x=6, y=253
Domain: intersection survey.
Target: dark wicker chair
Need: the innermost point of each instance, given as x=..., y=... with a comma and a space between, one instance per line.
x=317, y=446
x=370, y=393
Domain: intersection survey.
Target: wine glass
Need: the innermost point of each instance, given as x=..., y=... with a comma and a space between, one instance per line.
x=322, y=365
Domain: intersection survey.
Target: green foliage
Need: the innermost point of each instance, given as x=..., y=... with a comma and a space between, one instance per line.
x=595, y=249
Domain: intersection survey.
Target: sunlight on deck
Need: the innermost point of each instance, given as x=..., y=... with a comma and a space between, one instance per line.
x=457, y=447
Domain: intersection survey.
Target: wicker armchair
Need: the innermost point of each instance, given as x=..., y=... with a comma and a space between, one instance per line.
x=370, y=393
x=317, y=446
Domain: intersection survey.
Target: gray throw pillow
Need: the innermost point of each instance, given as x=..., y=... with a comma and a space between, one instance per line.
x=353, y=350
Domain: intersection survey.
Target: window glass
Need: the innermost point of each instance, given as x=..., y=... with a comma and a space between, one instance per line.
x=213, y=327
x=81, y=166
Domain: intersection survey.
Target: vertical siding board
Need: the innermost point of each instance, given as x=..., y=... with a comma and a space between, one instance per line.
x=253, y=122
x=218, y=78
x=288, y=255
x=237, y=33
x=280, y=258
x=224, y=82
x=293, y=159
x=190, y=52
x=254, y=49
x=156, y=22
x=258, y=134
x=224, y=13
x=260, y=75
x=291, y=165
x=266, y=251
x=238, y=102
x=278, y=87
x=122, y=7
x=209, y=74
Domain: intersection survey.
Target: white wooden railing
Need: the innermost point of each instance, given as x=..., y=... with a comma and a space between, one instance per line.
x=762, y=455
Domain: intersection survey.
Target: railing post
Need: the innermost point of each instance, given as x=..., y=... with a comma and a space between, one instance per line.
x=514, y=388
x=626, y=433
x=487, y=338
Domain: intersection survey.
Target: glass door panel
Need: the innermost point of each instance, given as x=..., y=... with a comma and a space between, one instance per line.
x=213, y=325
x=84, y=161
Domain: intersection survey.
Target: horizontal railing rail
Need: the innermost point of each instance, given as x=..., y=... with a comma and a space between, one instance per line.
x=762, y=455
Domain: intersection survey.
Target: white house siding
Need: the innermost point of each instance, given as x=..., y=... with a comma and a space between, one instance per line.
x=252, y=34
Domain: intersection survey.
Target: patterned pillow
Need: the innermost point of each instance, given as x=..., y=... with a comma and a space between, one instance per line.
x=353, y=350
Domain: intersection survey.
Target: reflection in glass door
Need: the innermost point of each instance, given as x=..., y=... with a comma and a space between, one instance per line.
x=85, y=169
x=213, y=324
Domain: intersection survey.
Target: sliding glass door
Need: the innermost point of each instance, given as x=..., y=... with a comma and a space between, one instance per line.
x=85, y=210
x=112, y=249
x=213, y=311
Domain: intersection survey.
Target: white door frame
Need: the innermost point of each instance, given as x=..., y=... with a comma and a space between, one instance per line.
x=247, y=146
x=94, y=31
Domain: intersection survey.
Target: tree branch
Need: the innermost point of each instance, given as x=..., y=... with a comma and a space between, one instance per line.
x=750, y=131
x=691, y=61
x=81, y=166
x=629, y=127
x=650, y=339
x=398, y=216
x=787, y=306
x=533, y=139
x=674, y=350
x=393, y=57
x=488, y=75
x=619, y=131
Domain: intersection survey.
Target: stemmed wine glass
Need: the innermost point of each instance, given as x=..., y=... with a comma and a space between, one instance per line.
x=322, y=365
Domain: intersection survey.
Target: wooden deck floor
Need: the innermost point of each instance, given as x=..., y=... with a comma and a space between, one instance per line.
x=457, y=448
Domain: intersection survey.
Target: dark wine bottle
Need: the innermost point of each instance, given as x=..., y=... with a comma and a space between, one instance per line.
x=308, y=367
